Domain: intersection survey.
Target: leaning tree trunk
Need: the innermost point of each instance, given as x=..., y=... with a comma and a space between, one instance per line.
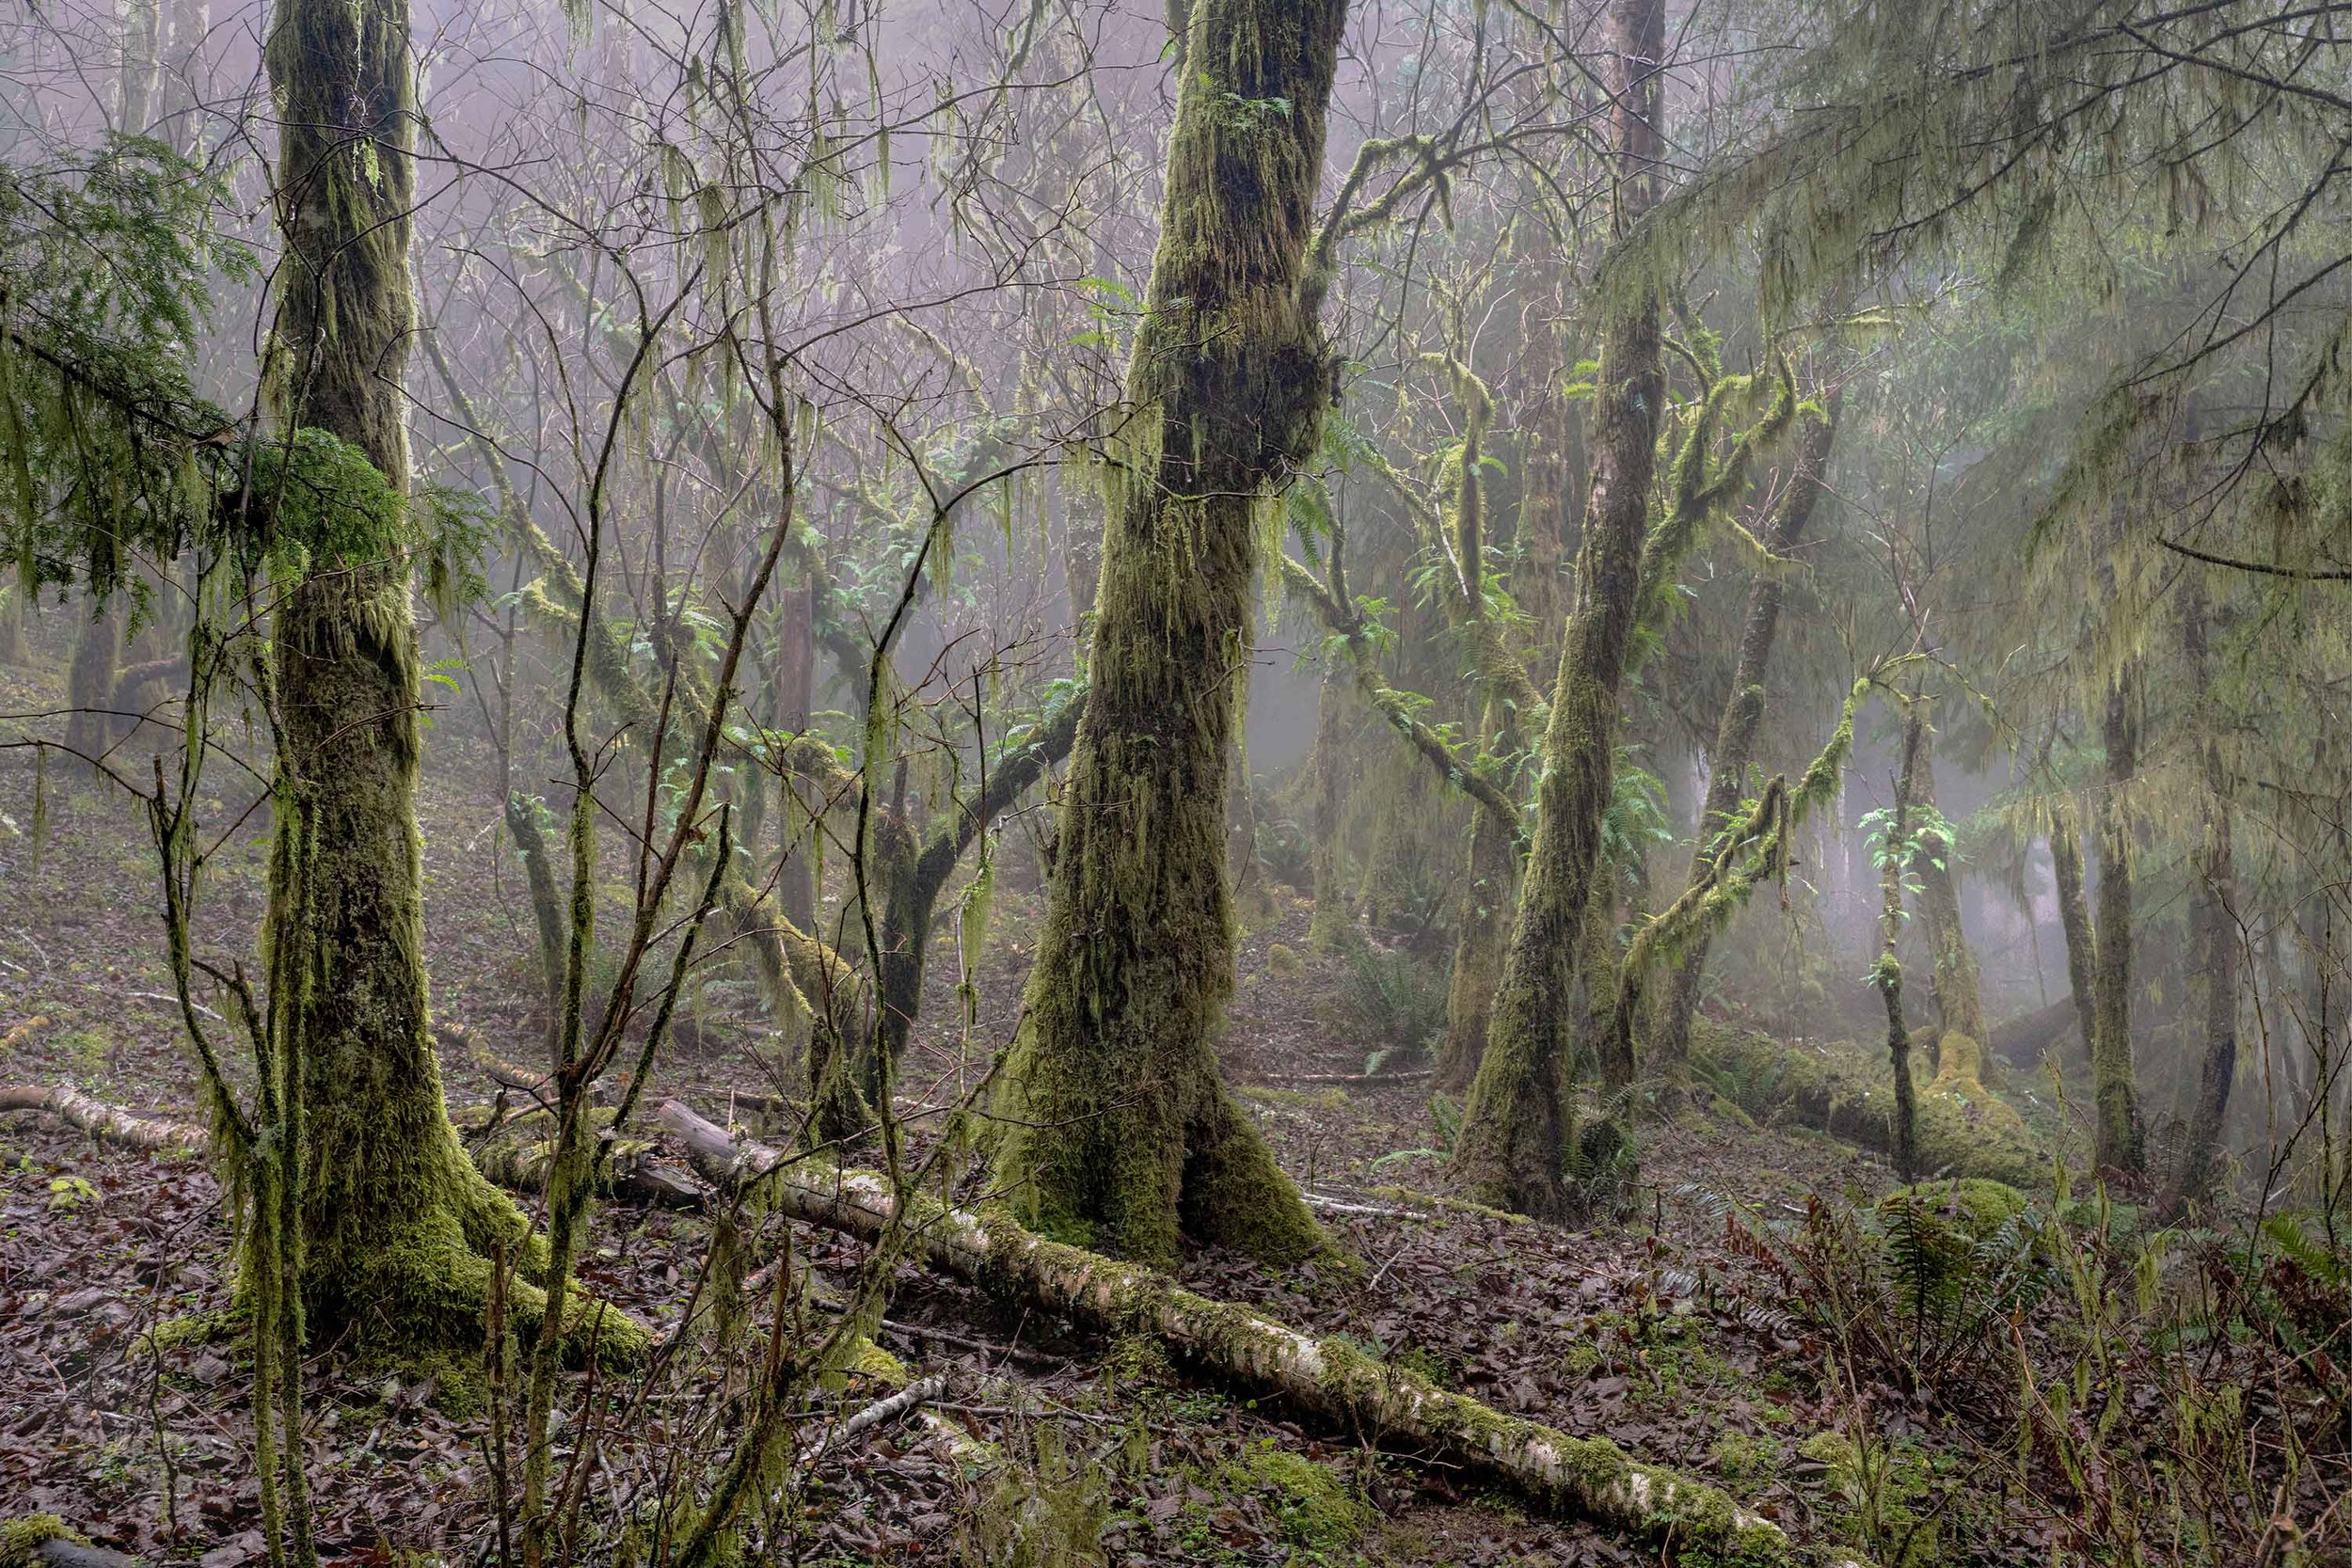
x=1510, y=1151
x=1954, y=982
x=1122, y=1130
x=1735, y=729
x=2119, y=1141
x=398, y=1226
x=2212, y=919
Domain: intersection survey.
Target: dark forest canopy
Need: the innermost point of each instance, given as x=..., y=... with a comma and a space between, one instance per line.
x=1585, y=752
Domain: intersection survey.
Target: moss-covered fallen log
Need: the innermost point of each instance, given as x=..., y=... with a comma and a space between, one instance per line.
x=1848, y=1091
x=1585, y=1477
x=507, y=1158
x=104, y=1121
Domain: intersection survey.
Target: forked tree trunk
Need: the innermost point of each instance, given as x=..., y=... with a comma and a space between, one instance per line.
x=1737, y=728
x=1510, y=1152
x=398, y=1226
x=1122, y=1128
x=2118, y=1142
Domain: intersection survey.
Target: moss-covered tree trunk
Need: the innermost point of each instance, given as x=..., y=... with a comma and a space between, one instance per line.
x=1122, y=1132
x=398, y=1226
x=1510, y=1152
x=2119, y=1141
x=796, y=876
x=89, y=725
x=2213, y=918
x=1485, y=928
x=1954, y=982
x=1737, y=727
x=1887, y=974
x=2082, y=955
x=1334, y=920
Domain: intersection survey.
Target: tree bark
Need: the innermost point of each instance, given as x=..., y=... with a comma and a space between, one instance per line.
x=1510, y=1152
x=1736, y=730
x=1121, y=1128
x=2119, y=1141
x=398, y=1226
x=1330, y=1378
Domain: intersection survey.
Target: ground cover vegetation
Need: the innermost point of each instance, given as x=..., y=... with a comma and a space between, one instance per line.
x=1279, y=782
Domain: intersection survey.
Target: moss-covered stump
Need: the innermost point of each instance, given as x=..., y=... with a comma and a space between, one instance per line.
x=1844, y=1089
x=1587, y=1477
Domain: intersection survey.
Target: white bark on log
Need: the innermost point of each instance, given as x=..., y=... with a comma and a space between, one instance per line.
x=1587, y=1477
x=628, y=1175
x=102, y=1121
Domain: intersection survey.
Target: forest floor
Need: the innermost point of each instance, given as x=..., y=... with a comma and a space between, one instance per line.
x=1647, y=1328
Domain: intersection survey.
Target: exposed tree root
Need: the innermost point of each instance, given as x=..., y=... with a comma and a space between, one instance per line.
x=1587, y=1477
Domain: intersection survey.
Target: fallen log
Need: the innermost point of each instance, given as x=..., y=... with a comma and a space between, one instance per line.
x=2023, y=1040
x=103, y=1122
x=1848, y=1091
x=1588, y=1477
x=1353, y=1080
x=631, y=1174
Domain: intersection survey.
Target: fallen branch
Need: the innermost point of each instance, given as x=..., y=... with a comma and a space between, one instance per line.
x=1591, y=1478
x=920, y=1392
x=1361, y=1080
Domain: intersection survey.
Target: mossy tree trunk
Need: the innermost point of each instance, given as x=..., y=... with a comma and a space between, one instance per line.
x=1484, y=928
x=89, y=726
x=1121, y=1129
x=2213, y=917
x=1888, y=973
x=1510, y=1152
x=398, y=1227
x=2119, y=1141
x=2082, y=955
x=1737, y=727
x=1955, y=982
x=1334, y=919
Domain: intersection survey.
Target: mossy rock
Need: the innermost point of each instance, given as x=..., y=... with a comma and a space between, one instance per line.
x=20, y=1540
x=1282, y=962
